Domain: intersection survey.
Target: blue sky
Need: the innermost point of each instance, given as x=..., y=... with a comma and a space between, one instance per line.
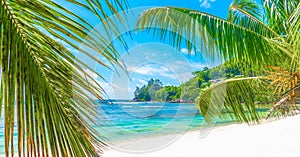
x=147, y=57
x=215, y=7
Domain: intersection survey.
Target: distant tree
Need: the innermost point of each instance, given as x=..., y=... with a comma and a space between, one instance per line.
x=136, y=92
x=205, y=69
x=157, y=85
x=147, y=92
x=161, y=95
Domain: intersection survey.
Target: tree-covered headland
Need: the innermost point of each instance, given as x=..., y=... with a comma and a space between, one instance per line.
x=188, y=91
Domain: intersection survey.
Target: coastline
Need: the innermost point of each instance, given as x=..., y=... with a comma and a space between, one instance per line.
x=270, y=139
x=122, y=145
x=274, y=138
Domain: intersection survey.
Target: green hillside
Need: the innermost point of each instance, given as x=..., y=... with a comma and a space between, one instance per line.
x=188, y=91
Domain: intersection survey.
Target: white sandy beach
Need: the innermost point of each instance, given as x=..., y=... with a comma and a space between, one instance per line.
x=273, y=139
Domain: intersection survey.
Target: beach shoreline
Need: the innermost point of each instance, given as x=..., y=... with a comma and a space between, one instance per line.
x=270, y=139
x=274, y=138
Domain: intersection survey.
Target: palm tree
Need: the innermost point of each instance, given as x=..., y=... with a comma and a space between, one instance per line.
x=44, y=93
x=264, y=38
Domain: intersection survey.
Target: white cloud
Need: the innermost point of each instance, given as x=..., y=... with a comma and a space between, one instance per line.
x=198, y=66
x=193, y=65
x=153, y=70
x=206, y=3
x=140, y=82
x=116, y=90
x=184, y=50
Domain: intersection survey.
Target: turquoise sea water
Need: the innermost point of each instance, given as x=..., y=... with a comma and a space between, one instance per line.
x=124, y=120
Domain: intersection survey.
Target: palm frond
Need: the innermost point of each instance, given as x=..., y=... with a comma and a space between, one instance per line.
x=248, y=14
x=294, y=37
x=277, y=12
x=240, y=98
x=214, y=36
x=43, y=84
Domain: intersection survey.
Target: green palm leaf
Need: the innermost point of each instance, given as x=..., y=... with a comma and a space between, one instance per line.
x=238, y=97
x=277, y=13
x=293, y=22
x=247, y=14
x=43, y=85
x=212, y=35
